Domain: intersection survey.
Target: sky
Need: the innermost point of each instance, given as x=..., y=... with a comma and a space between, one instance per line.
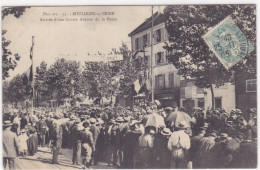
x=72, y=40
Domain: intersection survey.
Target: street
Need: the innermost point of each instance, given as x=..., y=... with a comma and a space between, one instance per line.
x=42, y=160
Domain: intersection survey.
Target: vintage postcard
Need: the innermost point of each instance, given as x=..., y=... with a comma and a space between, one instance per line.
x=129, y=87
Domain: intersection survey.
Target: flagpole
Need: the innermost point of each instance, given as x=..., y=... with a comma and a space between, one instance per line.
x=32, y=76
x=151, y=59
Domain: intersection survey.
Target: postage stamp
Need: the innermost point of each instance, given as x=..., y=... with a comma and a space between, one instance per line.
x=228, y=42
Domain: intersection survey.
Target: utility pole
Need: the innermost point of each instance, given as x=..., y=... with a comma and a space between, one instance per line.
x=32, y=74
x=151, y=59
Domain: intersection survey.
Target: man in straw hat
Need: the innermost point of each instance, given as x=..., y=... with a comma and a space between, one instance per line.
x=179, y=144
x=10, y=145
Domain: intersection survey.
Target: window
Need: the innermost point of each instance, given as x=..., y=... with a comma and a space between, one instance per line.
x=136, y=44
x=146, y=60
x=168, y=53
x=171, y=80
x=158, y=36
x=201, y=103
x=159, y=58
x=183, y=83
x=145, y=40
x=218, y=102
x=200, y=90
x=190, y=84
x=161, y=81
x=251, y=85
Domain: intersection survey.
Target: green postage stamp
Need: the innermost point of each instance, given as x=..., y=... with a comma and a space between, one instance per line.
x=228, y=42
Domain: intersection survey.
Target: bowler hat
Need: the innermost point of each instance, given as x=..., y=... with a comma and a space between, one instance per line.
x=213, y=133
x=241, y=135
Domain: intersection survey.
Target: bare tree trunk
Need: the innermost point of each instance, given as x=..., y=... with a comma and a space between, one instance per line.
x=212, y=97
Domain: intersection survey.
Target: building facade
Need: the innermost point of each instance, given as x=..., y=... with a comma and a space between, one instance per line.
x=192, y=96
x=166, y=81
x=170, y=88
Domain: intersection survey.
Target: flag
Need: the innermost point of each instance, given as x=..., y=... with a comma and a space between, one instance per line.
x=28, y=78
x=137, y=86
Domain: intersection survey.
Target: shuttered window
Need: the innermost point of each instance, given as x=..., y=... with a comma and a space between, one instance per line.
x=136, y=44
x=171, y=80
x=145, y=40
x=159, y=58
x=148, y=39
x=161, y=81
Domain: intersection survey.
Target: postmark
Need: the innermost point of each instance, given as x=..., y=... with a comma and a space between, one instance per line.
x=228, y=42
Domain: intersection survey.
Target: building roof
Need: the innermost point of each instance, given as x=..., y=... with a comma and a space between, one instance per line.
x=158, y=19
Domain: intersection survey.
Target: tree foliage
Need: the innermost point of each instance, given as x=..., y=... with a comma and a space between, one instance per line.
x=9, y=60
x=62, y=78
x=15, y=90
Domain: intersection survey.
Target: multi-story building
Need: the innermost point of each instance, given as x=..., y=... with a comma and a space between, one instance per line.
x=170, y=88
x=166, y=81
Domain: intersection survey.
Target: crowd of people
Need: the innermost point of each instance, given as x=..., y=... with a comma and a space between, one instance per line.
x=145, y=136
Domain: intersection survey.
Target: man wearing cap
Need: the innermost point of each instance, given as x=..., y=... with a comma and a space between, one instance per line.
x=67, y=131
x=10, y=145
x=194, y=151
x=205, y=150
x=76, y=141
x=115, y=143
x=88, y=145
x=162, y=156
x=41, y=128
x=102, y=141
x=179, y=144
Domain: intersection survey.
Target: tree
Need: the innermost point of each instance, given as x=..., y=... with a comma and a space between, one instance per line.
x=40, y=84
x=9, y=60
x=186, y=24
x=107, y=79
x=100, y=79
x=16, y=91
x=63, y=79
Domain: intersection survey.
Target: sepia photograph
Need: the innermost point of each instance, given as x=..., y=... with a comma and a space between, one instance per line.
x=129, y=87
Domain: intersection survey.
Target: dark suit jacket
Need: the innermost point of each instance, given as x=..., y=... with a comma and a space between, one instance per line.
x=10, y=144
x=57, y=136
x=95, y=131
x=87, y=137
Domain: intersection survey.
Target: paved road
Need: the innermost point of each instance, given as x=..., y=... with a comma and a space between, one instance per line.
x=42, y=160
